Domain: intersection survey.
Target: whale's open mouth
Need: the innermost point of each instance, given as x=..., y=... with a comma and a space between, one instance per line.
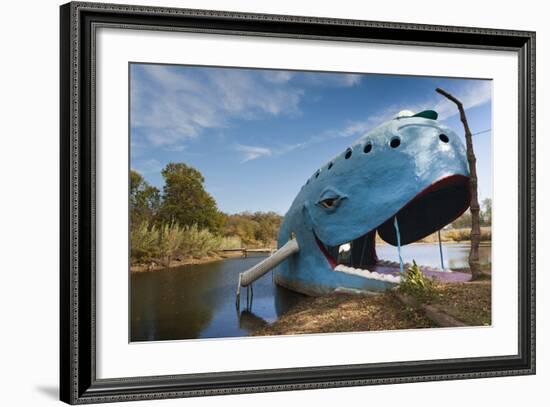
x=430, y=210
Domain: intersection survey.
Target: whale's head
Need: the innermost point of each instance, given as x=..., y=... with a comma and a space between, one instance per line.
x=411, y=168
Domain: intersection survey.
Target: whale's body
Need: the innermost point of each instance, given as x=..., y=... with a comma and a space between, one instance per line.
x=412, y=168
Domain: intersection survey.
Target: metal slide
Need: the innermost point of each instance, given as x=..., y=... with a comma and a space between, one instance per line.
x=246, y=278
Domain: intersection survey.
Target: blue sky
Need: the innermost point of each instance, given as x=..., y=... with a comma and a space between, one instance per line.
x=257, y=135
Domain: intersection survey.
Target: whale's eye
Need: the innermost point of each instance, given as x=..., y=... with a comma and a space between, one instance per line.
x=395, y=142
x=328, y=203
x=330, y=165
x=368, y=148
x=444, y=138
x=330, y=199
x=317, y=174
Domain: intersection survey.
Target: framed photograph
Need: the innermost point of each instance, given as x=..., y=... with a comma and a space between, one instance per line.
x=255, y=203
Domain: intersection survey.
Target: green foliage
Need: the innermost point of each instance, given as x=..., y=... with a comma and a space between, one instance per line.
x=185, y=201
x=231, y=242
x=198, y=242
x=145, y=199
x=143, y=242
x=254, y=229
x=416, y=284
x=169, y=241
x=184, y=221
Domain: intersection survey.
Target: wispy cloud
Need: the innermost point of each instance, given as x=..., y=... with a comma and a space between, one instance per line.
x=171, y=105
x=332, y=80
x=317, y=79
x=252, y=152
x=278, y=76
x=472, y=95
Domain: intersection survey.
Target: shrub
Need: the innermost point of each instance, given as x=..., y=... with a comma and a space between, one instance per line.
x=143, y=242
x=416, y=284
x=170, y=240
x=231, y=242
x=198, y=242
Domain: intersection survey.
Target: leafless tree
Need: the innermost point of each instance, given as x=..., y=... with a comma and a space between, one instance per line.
x=474, y=204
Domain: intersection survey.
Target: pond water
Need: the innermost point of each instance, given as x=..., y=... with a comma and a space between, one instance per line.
x=455, y=255
x=198, y=301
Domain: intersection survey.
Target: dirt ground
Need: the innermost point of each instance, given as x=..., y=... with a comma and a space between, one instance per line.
x=346, y=313
x=468, y=302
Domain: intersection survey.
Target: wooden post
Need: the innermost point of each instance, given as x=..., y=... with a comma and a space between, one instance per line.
x=474, y=204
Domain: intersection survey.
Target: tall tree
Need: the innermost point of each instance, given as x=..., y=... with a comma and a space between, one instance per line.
x=474, y=203
x=144, y=199
x=185, y=200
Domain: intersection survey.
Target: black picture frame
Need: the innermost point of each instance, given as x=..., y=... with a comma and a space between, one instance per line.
x=78, y=382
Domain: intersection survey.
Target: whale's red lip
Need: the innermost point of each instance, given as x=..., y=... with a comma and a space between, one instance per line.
x=333, y=263
x=430, y=210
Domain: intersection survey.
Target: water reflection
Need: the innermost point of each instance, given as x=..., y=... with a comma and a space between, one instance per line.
x=198, y=301
x=250, y=321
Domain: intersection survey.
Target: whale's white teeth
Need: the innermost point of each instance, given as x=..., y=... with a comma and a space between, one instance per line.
x=373, y=275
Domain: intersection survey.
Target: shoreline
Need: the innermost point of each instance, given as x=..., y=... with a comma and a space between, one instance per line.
x=157, y=266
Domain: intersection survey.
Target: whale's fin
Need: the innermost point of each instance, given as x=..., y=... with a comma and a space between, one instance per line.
x=427, y=114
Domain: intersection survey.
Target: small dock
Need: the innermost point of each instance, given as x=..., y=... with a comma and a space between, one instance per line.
x=245, y=251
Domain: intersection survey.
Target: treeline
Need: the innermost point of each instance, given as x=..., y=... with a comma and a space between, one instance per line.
x=485, y=216
x=257, y=229
x=183, y=221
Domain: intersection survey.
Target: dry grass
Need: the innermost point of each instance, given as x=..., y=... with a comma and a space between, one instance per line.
x=346, y=313
x=469, y=302
x=452, y=235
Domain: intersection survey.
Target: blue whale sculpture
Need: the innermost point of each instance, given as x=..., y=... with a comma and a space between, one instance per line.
x=405, y=179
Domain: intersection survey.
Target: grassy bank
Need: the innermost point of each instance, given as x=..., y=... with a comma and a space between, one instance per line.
x=468, y=302
x=162, y=244
x=152, y=265
x=156, y=246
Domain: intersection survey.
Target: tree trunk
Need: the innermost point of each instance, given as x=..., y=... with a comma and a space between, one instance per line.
x=474, y=204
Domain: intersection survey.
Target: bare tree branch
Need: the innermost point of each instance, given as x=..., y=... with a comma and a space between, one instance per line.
x=474, y=203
